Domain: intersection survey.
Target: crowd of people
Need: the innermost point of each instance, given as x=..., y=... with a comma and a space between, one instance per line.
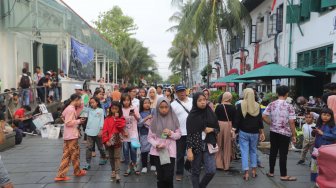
x=175, y=131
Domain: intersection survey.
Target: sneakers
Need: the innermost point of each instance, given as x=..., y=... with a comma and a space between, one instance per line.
x=179, y=177
x=144, y=170
x=87, y=167
x=153, y=168
x=300, y=162
x=102, y=161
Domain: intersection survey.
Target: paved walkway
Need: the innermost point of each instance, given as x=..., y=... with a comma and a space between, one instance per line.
x=34, y=164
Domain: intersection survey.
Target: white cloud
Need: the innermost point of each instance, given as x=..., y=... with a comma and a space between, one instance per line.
x=151, y=17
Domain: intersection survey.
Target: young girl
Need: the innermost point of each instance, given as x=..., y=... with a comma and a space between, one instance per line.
x=152, y=95
x=93, y=131
x=163, y=133
x=325, y=134
x=114, y=125
x=145, y=117
x=132, y=117
x=169, y=94
x=70, y=136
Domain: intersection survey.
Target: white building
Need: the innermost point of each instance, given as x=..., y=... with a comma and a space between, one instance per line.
x=274, y=36
x=38, y=32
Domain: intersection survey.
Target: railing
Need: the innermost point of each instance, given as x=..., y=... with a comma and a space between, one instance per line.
x=29, y=97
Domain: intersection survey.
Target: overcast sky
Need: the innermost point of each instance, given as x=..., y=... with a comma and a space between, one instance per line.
x=151, y=17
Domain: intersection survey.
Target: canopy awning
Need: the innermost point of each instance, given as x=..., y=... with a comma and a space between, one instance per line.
x=231, y=79
x=272, y=71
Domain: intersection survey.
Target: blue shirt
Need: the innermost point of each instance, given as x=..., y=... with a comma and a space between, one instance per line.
x=328, y=137
x=95, y=121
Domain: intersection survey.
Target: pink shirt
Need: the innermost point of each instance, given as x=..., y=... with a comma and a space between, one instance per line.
x=169, y=143
x=131, y=123
x=70, y=123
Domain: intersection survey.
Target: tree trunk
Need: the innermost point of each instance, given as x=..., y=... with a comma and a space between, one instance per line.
x=209, y=64
x=190, y=68
x=225, y=66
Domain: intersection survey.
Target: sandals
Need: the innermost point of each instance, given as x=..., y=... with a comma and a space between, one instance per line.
x=62, y=178
x=288, y=178
x=246, y=177
x=113, y=175
x=81, y=173
x=270, y=175
x=128, y=172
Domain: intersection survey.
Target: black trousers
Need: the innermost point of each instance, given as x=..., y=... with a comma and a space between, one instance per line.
x=181, y=148
x=144, y=159
x=279, y=143
x=165, y=173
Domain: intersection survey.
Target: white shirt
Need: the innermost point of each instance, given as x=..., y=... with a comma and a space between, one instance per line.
x=136, y=103
x=307, y=129
x=182, y=114
x=159, y=96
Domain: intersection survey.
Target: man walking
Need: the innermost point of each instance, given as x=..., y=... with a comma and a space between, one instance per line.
x=25, y=82
x=181, y=106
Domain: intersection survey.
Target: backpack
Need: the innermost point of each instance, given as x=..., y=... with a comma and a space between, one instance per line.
x=25, y=82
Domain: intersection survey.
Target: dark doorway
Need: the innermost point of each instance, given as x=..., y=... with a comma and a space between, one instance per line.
x=312, y=86
x=50, y=58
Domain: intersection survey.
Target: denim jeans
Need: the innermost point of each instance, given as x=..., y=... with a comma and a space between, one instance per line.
x=248, y=146
x=127, y=151
x=25, y=97
x=4, y=177
x=56, y=94
x=209, y=166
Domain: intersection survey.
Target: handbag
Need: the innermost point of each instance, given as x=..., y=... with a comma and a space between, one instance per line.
x=213, y=149
x=135, y=143
x=164, y=156
x=187, y=166
x=115, y=139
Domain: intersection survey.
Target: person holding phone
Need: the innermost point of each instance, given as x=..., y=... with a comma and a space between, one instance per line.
x=132, y=117
x=113, y=128
x=71, y=136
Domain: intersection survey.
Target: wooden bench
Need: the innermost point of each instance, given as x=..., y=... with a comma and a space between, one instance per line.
x=9, y=142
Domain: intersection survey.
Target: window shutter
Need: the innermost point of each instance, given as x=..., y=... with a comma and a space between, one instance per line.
x=253, y=34
x=293, y=13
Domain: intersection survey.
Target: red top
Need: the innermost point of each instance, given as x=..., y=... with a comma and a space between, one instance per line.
x=112, y=125
x=20, y=113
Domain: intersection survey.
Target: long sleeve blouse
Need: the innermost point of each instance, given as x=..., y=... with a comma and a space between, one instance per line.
x=169, y=143
x=221, y=115
x=248, y=124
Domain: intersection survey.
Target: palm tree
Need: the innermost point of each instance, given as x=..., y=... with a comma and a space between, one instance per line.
x=209, y=17
x=134, y=60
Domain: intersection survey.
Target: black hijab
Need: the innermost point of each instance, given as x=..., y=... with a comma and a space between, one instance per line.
x=198, y=119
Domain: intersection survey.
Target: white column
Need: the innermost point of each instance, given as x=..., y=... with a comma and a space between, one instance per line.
x=113, y=73
x=116, y=73
x=97, y=68
x=108, y=71
x=104, y=69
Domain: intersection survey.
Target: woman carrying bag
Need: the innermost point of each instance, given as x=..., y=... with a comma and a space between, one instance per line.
x=202, y=129
x=225, y=113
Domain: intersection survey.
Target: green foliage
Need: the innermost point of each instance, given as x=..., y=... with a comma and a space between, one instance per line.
x=215, y=96
x=174, y=79
x=115, y=26
x=270, y=97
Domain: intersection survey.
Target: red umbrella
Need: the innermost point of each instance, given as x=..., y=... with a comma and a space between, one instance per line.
x=219, y=84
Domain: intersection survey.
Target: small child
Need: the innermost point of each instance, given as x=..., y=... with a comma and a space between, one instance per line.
x=114, y=125
x=132, y=117
x=146, y=116
x=308, y=139
x=94, y=127
x=325, y=134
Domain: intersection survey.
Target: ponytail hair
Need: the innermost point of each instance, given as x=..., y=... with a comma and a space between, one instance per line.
x=72, y=98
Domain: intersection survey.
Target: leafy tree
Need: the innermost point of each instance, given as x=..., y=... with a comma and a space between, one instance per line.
x=115, y=26
x=174, y=79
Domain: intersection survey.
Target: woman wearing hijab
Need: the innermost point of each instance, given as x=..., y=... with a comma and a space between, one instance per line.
x=163, y=133
x=153, y=97
x=226, y=114
x=250, y=126
x=202, y=129
x=206, y=93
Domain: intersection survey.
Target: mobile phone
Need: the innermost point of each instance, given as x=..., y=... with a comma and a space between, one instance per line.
x=313, y=127
x=131, y=111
